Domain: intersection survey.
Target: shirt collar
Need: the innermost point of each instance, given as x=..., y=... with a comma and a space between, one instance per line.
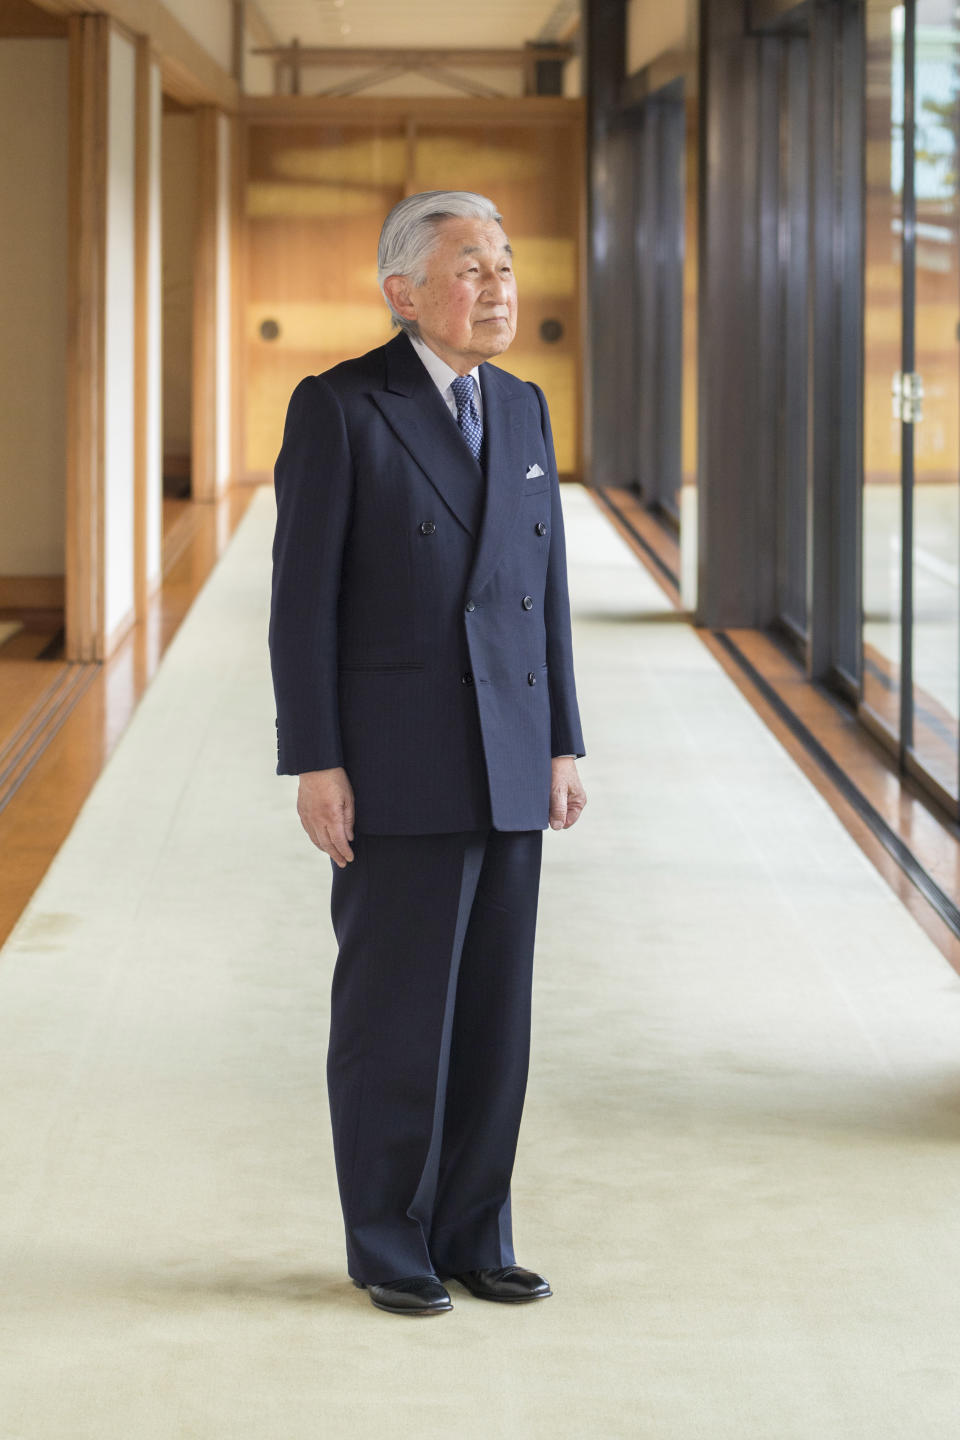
x=439, y=371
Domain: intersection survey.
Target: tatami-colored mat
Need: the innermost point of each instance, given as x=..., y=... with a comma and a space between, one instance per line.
x=741, y=1154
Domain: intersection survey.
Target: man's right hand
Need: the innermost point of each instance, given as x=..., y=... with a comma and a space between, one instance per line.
x=325, y=807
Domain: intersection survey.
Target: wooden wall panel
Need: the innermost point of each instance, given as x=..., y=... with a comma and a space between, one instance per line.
x=87, y=204
x=34, y=124
x=204, y=410
x=190, y=73
x=315, y=199
x=119, y=357
x=212, y=307
x=533, y=177
x=317, y=190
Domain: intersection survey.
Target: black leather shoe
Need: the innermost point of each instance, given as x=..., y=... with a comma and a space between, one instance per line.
x=418, y=1295
x=512, y=1284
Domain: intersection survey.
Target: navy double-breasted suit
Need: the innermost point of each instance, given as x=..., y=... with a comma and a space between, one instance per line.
x=420, y=638
x=420, y=627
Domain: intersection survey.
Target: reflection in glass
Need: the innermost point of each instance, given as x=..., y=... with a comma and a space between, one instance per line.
x=792, y=402
x=691, y=301
x=882, y=355
x=936, y=496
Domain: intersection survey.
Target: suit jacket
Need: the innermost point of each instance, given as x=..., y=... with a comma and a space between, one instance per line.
x=420, y=624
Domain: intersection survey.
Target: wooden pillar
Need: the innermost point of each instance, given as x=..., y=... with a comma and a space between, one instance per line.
x=203, y=440
x=608, y=394
x=238, y=271
x=731, y=557
x=238, y=37
x=148, y=445
x=835, y=342
x=211, y=297
x=87, y=202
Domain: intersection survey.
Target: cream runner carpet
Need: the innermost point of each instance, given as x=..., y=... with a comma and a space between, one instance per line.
x=740, y=1162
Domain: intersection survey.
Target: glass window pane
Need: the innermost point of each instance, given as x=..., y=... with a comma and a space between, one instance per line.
x=793, y=407
x=936, y=496
x=882, y=349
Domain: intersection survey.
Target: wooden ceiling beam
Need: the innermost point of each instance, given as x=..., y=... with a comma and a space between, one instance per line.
x=400, y=110
x=189, y=72
x=474, y=88
x=21, y=20
x=259, y=26
x=342, y=56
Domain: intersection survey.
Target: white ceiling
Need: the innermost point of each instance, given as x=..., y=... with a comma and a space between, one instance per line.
x=506, y=23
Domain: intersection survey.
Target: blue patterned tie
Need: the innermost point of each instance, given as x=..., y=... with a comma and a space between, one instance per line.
x=468, y=419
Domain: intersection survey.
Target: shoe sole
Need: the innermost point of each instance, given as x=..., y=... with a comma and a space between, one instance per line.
x=507, y=1299
x=417, y=1314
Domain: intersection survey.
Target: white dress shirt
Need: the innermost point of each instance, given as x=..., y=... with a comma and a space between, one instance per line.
x=443, y=376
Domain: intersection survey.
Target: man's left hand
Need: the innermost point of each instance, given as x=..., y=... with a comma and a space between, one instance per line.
x=567, y=795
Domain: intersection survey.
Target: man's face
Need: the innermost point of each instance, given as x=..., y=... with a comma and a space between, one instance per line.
x=467, y=306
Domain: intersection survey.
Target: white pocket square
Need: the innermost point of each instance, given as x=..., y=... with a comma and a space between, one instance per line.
x=533, y=472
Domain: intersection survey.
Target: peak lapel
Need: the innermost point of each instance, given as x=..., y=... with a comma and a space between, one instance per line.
x=415, y=411
x=503, y=416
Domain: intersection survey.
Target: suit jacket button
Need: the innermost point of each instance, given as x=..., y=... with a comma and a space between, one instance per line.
x=540, y=528
x=466, y=678
x=528, y=602
x=531, y=678
x=470, y=606
x=427, y=527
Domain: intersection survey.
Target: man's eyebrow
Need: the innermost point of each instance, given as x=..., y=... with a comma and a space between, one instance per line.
x=475, y=249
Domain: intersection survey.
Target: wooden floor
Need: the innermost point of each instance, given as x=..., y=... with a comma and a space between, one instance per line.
x=41, y=637
x=59, y=721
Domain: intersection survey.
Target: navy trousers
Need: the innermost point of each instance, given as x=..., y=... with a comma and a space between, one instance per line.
x=429, y=1046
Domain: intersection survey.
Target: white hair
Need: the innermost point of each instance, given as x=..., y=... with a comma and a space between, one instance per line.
x=410, y=232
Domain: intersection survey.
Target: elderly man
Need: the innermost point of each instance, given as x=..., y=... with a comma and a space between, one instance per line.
x=422, y=666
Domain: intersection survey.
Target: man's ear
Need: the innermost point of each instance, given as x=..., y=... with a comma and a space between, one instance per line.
x=397, y=290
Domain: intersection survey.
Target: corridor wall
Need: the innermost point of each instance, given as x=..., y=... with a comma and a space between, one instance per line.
x=210, y=23
x=223, y=302
x=179, y=206
x=33, y=302
x=150, y=310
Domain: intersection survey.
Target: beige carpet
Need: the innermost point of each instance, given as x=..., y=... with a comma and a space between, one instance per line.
x=740, y=1161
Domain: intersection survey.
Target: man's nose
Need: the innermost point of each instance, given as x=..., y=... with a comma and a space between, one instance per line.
x=495, y=288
